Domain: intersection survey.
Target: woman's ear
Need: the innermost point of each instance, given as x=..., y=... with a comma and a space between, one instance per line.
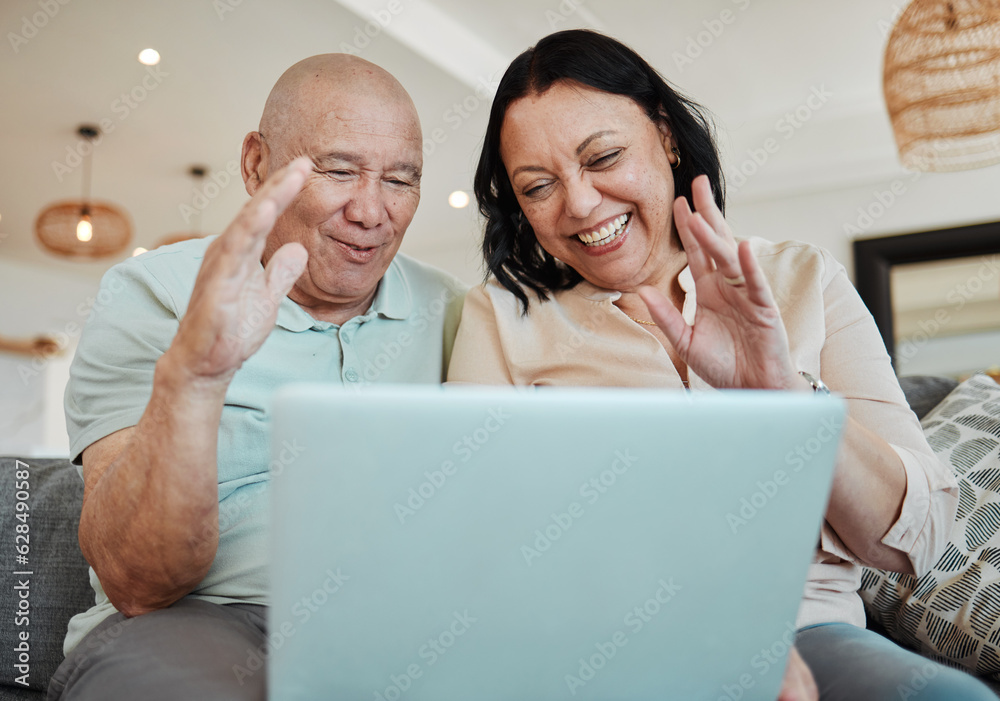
x=663, y=124
x=666, y=135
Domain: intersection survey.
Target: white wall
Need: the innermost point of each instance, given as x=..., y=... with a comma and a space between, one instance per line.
x=832, y=178
x=795, y=195
x=38, y=301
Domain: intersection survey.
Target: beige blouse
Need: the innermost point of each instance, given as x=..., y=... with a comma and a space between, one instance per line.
x=579, y=337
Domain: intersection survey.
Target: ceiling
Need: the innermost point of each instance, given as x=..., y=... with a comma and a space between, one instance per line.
x=749, y=61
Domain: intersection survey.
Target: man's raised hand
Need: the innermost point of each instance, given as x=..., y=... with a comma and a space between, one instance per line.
x=235, y=300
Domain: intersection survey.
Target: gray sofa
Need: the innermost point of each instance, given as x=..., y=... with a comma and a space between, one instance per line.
x=58, y=587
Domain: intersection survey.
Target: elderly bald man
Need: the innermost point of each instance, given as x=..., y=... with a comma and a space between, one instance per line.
x=167, y=403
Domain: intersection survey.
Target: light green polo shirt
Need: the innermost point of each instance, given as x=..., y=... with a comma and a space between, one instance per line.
x=405, y=337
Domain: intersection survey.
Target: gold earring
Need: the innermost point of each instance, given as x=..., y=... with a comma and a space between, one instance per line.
x=677, y=153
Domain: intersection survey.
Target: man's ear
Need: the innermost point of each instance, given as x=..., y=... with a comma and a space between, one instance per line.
x=253, y=162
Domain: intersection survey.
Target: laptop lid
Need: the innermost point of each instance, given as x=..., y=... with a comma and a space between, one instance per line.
x=446, y=544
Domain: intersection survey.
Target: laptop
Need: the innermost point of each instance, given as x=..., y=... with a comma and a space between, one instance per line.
x=471, y=543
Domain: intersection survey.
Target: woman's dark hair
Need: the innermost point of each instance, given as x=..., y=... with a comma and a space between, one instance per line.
x=510, y=247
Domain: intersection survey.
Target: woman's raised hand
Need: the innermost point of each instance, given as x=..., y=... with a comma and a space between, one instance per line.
x=738, y=339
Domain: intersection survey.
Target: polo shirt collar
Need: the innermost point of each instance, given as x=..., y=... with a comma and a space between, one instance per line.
x=294, y=318
x=393, y=300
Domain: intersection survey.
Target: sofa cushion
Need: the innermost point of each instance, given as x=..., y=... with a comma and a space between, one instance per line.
x=952, y=613
x=924, y=392
x=39, y=604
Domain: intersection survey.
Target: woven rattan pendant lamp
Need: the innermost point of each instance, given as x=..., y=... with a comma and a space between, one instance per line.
x=942, y=84
x=84, y=228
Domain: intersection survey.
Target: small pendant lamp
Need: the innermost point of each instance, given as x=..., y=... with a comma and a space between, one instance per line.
x=197, y=173
x=942, y=84
x=84, y=228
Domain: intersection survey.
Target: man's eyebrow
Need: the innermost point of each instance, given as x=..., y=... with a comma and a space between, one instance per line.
x=339, y=156
x=357, y=160
x=409, y=168
x=579, y=150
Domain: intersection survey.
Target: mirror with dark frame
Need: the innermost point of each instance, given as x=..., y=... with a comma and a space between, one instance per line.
x=935, y=296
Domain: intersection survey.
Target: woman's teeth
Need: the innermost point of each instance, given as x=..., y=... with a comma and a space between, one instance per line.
x=606, y=234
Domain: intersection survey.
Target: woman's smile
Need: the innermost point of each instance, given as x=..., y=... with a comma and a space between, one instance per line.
x=592, y=174
x=606, y=234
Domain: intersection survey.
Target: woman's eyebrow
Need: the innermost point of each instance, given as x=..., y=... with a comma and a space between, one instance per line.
x=595, y=135
x=529, y=169
x=579, y=150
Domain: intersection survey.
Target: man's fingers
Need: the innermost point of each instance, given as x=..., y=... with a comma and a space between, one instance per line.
x=282, y=187
x=249, y=231
x=284, y=268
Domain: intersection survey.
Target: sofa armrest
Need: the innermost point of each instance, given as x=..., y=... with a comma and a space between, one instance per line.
x=924, y=392
x=39, y=604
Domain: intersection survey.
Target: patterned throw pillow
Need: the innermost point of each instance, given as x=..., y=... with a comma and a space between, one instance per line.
x=952, y=613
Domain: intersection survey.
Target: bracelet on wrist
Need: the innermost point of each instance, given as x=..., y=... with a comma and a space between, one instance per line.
x=819, y=387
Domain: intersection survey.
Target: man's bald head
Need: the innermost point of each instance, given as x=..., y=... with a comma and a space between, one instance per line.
x=307, y=92
x=358, y=126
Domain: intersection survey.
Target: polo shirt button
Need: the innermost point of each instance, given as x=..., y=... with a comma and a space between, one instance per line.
x=351, y=375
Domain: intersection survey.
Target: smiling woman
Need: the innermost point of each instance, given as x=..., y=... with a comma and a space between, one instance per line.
x=509, y=245
x=560, y=181
x=614, y=265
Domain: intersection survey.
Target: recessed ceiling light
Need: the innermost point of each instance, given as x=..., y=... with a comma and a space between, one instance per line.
x=458, y=199
x=138, y=251
x=149, y=57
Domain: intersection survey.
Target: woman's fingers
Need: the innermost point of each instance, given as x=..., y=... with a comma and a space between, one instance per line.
x=667, y=317
x=722, y=252
x=709, y=245
x=704, y=204
x=716, y=247
x=798, y=683
x=699, y=262
x=758, y=290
